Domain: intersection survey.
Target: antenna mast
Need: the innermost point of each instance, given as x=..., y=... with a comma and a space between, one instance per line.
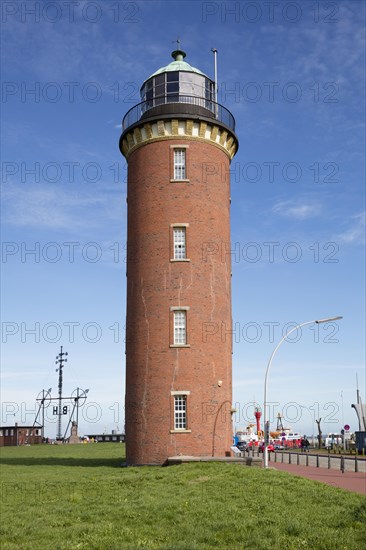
x=214, y=51
x=60, y=361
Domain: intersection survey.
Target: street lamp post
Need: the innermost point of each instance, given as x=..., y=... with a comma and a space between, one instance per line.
x=265, y=421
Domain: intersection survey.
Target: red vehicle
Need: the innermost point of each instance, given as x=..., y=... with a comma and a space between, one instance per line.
x=270, y=447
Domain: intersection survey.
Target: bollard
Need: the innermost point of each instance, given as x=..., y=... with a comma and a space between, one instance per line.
x=317, y=461
x=289, y=458
x=282, y=457
x=342, y=464
x=307, y=460
x=298, y=459
x=275, y=457
x=356, y=464
x=328, y=462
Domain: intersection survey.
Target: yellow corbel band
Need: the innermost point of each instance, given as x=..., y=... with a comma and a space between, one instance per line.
x=185, y=129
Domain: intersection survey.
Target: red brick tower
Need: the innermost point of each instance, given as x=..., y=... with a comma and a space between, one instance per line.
x=178, y=143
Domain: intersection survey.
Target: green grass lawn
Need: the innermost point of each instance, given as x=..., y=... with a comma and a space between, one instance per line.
x=78, y=496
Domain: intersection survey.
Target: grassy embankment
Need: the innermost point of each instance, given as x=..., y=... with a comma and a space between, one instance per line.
x=79, y=497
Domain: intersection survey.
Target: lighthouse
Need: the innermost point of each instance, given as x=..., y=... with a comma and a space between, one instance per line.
x=178, y=143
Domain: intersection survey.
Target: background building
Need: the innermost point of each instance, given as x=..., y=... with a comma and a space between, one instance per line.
x=112, y=437
x=20, y=435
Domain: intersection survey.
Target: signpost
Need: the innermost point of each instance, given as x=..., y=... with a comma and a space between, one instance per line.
x=346, y=429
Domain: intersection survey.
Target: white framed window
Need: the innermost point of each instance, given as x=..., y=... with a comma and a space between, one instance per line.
x=180, y=412
x=180, y=164
x=179, y=243
x=180, y=327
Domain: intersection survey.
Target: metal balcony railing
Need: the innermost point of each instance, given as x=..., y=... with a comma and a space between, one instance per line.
x=200, y=105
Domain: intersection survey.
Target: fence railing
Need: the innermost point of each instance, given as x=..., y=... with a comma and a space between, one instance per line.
x=331, y=462
x=212, y=109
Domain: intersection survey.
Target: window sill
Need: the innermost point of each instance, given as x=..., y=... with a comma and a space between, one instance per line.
x=180, y=345
x=180, y=260
x=182, y=431
x=179, y=181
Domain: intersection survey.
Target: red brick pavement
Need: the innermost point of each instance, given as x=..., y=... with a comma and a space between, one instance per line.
x=350, y=481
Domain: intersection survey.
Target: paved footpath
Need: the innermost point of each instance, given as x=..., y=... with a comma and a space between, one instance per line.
x=350, y=481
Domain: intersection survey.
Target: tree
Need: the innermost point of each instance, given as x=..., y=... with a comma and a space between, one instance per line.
x=319, y=433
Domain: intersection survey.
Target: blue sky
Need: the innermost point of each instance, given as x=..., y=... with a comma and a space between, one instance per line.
x=292, y=74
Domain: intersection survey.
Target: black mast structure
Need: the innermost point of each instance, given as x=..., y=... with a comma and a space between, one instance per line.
x=60, y=361
x=78, y=397
x=44, y=397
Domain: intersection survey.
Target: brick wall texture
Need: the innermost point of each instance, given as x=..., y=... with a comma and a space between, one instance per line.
x=155, y=284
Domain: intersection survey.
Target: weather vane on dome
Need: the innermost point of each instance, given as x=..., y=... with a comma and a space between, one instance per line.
x=178, y=43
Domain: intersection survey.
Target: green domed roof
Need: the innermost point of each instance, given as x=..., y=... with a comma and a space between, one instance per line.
x=178, y=65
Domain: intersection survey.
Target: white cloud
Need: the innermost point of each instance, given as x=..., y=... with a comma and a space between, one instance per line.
x=356, y=231
x=298, y=211
x=57, y=208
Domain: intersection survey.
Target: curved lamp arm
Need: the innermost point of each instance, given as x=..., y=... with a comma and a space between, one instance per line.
x=266, y=424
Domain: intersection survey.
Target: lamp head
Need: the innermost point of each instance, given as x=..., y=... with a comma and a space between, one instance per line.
x=329, y=319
